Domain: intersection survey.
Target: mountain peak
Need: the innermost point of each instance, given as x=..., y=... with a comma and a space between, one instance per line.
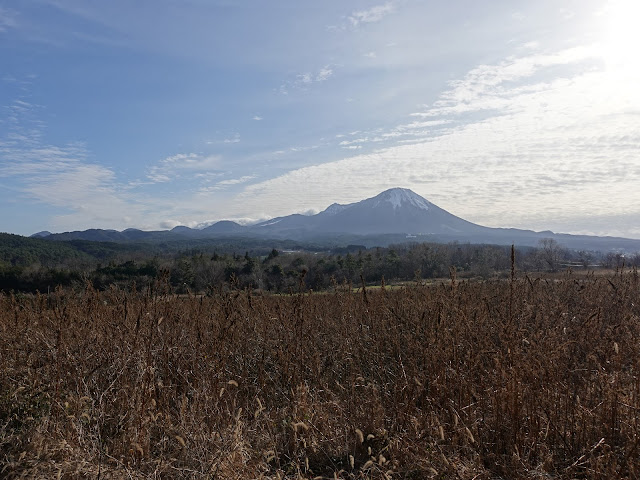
x=402, y=196
x=335, y=208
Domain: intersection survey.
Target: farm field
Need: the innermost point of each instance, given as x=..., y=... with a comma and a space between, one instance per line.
x=519, y=378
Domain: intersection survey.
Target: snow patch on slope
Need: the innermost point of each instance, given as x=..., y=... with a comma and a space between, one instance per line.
x=335, y=208
x=269, y=223
x=399, y=196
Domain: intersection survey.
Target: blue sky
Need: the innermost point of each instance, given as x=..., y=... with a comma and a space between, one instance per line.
x=152, y=114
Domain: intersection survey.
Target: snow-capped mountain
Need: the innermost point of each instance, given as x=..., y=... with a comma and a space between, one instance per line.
x=395, y=211
x=400, y=197
x=391, y=215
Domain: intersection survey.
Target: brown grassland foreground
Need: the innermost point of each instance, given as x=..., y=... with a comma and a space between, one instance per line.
x=524, y=378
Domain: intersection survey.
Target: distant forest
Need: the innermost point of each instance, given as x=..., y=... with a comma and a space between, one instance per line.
x=32, y=264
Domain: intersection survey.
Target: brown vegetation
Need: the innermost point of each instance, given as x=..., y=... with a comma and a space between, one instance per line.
x=526, y=378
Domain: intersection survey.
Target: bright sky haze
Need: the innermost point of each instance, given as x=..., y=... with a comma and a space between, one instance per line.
x=157, y=113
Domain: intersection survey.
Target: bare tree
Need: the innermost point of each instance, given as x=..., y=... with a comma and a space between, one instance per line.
x=551, y=252
x=585, y=257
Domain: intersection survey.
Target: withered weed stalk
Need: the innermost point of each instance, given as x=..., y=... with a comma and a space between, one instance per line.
x=523, y=378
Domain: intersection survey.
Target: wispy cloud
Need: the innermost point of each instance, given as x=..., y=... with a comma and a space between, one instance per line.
x=91, y=195
x=8, y=19
x=492, y=87
x=324, y=74
x=225, y=138
x=226, y=183
x=497, y=141
x=257, y=118
x=234, y=139
x=411, y=132
x=371, y=15
x=304, y=80
x=64, y=177
x=236, y=181
x=172, y=167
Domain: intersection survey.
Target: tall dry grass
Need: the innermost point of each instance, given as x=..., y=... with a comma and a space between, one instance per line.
x=525, y=378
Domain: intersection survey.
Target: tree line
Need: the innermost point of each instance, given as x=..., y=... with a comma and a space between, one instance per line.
x=199, y=270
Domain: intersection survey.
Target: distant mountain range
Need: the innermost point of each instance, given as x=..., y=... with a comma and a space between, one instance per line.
x=394, y=215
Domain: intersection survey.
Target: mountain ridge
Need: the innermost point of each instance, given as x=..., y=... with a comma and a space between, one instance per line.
x=393, y=212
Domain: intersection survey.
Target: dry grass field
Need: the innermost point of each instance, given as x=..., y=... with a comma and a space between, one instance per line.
x=524, y=378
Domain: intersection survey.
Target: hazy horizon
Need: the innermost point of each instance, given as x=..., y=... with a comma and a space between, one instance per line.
x=156, y=114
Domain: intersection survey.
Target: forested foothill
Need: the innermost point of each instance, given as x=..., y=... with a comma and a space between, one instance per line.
x=198, y=266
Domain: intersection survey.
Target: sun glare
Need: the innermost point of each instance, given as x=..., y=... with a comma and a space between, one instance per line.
x=621, y=38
